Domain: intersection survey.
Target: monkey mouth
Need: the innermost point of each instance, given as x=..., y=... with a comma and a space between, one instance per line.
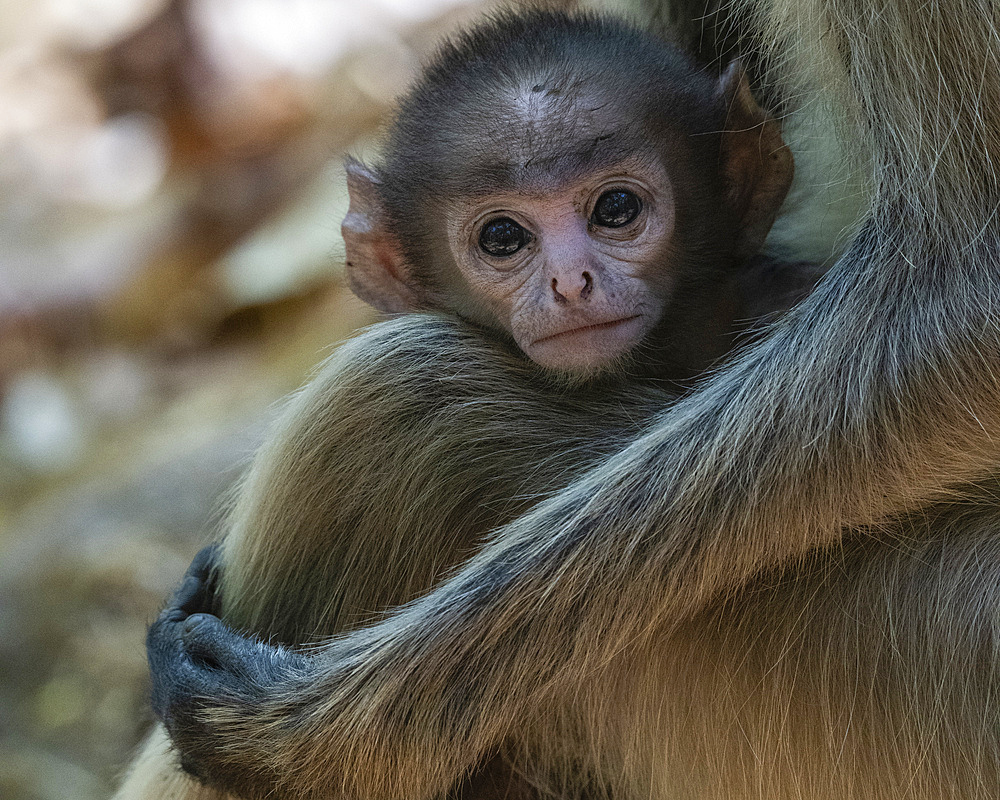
x=597, y=326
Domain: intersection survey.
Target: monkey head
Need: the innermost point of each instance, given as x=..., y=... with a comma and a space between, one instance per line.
x=581, y=191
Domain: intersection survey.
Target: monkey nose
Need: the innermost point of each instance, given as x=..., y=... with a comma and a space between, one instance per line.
x=573, y=288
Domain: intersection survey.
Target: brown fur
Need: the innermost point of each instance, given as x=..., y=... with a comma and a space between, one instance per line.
x=786, y=587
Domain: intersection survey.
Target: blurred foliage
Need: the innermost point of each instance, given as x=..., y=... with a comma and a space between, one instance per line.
x=170, y=204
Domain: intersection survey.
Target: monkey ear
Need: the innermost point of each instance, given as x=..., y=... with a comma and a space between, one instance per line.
x=377, y=270
x=757, y=164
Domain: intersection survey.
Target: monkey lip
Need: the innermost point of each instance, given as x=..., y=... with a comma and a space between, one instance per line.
x=597, y=326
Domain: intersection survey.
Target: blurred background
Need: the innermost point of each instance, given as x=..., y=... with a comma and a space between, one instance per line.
x=170, y=267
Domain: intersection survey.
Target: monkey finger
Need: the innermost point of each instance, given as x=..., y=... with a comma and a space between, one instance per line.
x=198, y=589
x=193, y=663
x=209, y=642
x=241, y=661
x=196, y=592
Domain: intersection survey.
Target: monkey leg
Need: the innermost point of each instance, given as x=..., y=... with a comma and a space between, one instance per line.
x=868, y=671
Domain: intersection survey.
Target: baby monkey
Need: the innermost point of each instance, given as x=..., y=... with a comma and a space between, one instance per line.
x=578, y=194
x=571, y=186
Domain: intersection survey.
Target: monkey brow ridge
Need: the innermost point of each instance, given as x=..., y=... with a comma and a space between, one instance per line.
x=557, y=164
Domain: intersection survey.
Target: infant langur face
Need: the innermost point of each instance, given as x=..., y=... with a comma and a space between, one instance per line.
x=573, y=271
x=559, y=208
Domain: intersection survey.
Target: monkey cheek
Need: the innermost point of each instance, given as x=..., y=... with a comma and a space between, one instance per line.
x=588, y=349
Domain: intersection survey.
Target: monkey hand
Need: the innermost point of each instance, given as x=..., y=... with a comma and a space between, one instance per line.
x=198, y=662
x=261, y=721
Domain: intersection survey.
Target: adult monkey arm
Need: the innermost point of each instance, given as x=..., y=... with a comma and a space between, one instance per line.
x=875, y=396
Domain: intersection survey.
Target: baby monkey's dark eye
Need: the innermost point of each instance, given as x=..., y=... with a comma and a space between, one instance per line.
x=616, y=208
x=502, y=237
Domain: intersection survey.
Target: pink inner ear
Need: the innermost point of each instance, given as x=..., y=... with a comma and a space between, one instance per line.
x=377, y=273
x=387, y=254
x=376, y=268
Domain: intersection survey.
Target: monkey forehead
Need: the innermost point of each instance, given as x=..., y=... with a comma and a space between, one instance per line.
x=547, y=170
x=556, y=104
x=538, y=137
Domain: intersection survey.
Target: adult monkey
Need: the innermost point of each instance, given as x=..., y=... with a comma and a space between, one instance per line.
x=690, y=618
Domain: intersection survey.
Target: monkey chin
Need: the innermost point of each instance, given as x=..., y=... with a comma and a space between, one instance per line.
x=587, y=351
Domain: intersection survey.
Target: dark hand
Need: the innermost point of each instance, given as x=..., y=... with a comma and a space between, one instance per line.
x=197, y=662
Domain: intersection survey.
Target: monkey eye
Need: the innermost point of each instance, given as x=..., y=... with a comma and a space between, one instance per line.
x=616, y=208
x=502, y=237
